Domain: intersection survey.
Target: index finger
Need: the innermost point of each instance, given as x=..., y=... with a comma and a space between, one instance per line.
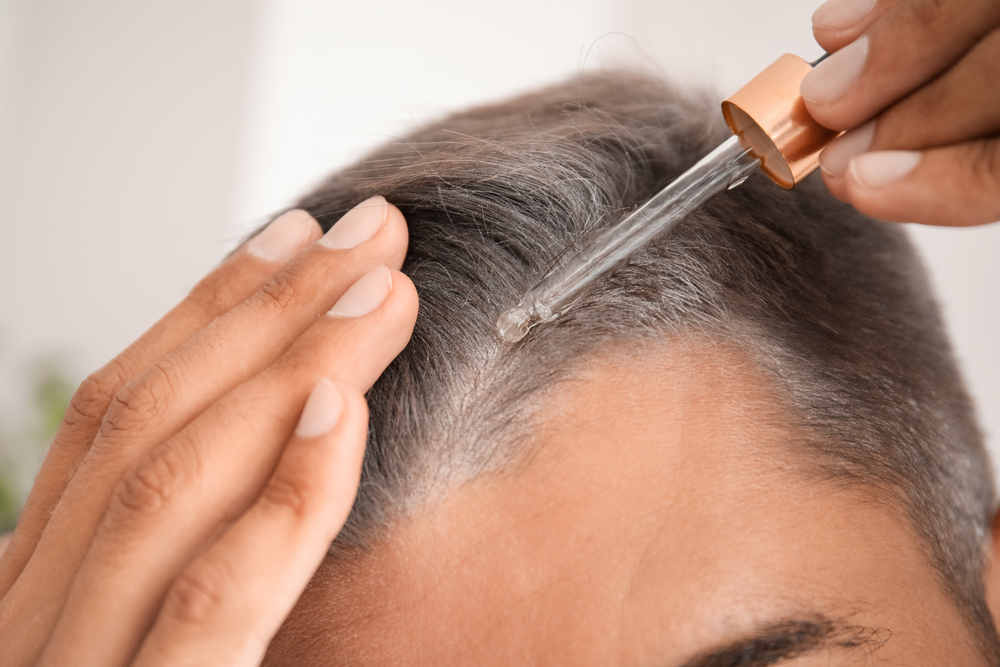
x=905, y=47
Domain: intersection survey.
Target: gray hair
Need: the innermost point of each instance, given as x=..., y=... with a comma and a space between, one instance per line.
x=833, y=305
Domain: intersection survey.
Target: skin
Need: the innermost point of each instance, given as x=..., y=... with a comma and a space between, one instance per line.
x=177, y=518
x=931, y=83
x=175, y=498
x=664, y=514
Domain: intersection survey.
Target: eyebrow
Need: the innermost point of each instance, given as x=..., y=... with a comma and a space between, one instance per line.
x=788, y=639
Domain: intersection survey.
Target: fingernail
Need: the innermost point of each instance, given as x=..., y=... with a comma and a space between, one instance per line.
x=835, y=157
x=882, y=168
x=322, y=410
x=365, y=295
x=358, y=225
x=832, y=78
x=283, y=237
x=841, y=14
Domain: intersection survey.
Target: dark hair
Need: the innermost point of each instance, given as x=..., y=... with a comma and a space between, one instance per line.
x=834, y=306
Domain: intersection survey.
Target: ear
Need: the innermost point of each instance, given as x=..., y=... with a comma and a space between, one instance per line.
x=991, y=574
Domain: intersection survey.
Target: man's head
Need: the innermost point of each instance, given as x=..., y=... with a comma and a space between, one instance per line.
x=751, y=439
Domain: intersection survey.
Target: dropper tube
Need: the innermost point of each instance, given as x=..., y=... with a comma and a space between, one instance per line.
x=727, y=166
x=773, y=130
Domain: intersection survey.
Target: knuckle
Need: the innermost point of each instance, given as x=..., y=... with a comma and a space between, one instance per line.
x=279, y=293
x=140, y=402
x=197, y=596
x=984, y=163
x=91, y=400
x=213, y=339
x=988, y=56
x=213, y=296
x=903, y=125
x=291, y=494
x=928, y=14
x=155, y=480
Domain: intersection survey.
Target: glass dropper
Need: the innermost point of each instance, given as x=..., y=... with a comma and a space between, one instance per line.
x=727, y=166
x=773, y=131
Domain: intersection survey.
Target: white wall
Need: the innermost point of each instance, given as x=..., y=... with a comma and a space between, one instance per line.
x=119, y=138
x=138, y=139
x=335, y=79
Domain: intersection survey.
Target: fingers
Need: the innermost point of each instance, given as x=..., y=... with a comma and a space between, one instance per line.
x=182, y=493
x=962, y=104
x=930, y=69
x=240, y=276
x=255, y=333
x=955, y=185
x=227, y=605
x=893, y=58
x=176, y=389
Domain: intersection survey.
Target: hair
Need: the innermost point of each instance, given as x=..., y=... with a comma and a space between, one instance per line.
x=834, y=306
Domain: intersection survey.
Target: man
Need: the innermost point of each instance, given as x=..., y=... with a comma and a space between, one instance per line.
x=748, y=446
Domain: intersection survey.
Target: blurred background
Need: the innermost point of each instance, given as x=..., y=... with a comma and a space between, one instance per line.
x=140, y=140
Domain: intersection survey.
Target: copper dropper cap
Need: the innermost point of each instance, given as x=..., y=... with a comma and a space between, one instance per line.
x=770, y=118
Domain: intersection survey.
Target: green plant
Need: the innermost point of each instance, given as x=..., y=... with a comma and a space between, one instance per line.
x=24, y=438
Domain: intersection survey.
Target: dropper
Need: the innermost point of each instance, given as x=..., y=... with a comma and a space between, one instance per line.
x=773, y=131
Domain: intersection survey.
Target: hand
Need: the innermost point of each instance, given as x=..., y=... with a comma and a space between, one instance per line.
x=177, y=516
x=918, y=84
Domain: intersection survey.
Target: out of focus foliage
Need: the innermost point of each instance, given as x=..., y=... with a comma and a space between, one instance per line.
x=26, y=434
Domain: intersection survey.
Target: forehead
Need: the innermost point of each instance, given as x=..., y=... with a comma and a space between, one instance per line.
x=664, y=509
